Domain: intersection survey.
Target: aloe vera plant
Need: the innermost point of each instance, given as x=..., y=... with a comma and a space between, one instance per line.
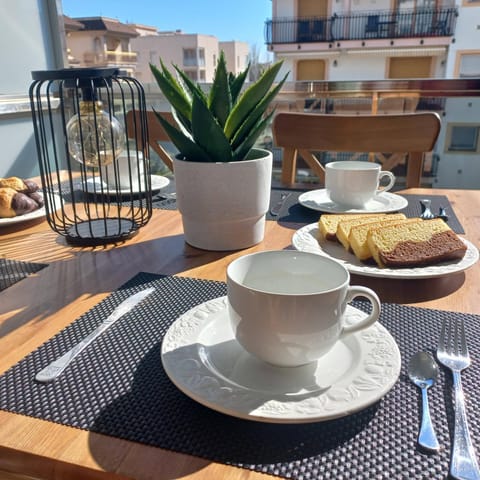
x=223, y=125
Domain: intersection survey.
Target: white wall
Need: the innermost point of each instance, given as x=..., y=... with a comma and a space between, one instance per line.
x=29, y=35
x=236, y=55
x=283, y=8
x=457, y=170
x=169, y=48
x=357, y=67
x=467, y=35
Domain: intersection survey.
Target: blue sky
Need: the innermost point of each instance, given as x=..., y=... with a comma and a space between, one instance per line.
x=242, y=20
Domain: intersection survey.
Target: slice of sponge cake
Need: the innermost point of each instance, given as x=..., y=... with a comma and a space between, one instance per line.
x=415, y=244
x=358, y=235
x=328, y=222
x=344, y=226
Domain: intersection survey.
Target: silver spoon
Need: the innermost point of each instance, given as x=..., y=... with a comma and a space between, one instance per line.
x=423, y=372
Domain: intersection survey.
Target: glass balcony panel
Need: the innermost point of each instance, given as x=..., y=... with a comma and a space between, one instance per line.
x=453, y=163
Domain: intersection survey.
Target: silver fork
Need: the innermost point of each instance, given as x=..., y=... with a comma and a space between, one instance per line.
x=452, y=352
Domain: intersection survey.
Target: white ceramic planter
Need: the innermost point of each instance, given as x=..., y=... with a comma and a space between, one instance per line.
x=223, y=205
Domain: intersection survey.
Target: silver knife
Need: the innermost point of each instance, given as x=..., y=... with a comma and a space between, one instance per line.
x=52, y=371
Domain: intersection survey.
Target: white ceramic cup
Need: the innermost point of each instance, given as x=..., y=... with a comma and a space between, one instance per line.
x=287, y=307
x=125, y=172
x=355, y=183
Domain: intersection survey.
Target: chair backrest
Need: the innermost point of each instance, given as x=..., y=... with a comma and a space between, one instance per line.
x=156, y=133
x=412, y=133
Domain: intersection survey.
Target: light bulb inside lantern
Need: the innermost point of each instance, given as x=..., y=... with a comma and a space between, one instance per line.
x=94, y=137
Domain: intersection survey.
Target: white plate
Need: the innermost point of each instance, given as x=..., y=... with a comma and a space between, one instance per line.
x=308, y=239
x=203, y=359
x=385, y=202
x=39, y=213
x=94, y=185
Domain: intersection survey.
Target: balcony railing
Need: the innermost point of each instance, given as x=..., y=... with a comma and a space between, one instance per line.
x=438, y=22
x=110, y=57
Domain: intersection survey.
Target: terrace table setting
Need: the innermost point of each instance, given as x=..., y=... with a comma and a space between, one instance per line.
x=167, y=392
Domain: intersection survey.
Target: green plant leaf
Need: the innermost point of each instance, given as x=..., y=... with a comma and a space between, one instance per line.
x=191, y=85
x=255, y=115
x=184, y=125
x=244, y=148
x=187, y=147
x=208, y=133
x=236, y=83
x=249, y=99
x=220, y=100
x=172, y=90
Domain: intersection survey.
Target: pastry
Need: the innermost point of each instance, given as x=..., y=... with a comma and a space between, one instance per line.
x=18, y=197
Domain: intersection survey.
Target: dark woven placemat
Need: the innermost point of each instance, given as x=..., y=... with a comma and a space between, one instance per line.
x=118, y=387
x=293, y=212
x=290, y=210
x=12, y=271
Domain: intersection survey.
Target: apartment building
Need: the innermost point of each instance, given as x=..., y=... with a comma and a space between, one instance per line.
x=196, y=54
x=100, y=42
x=360, y=40
x=106, y=42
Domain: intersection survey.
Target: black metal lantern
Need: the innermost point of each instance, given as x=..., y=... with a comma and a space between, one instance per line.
x=96, y=181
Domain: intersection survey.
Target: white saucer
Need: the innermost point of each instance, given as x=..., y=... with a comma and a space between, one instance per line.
x=95, y=185
x=308, y=239
x=203, y=359
x=382, y=203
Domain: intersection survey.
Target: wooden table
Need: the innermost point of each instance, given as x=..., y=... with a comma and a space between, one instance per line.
x=36, y=308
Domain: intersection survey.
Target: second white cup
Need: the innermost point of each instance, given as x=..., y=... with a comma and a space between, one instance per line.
x=287, y=307
x=125, y=172
x=354, y=183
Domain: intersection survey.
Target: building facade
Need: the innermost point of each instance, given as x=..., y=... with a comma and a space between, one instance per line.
x=362, y=39
x=100, y=42
x=196, y=54
x=357, y=40
x=105, y=42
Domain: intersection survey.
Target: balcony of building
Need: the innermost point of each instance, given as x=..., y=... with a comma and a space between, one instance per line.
x=385, y=24
x=109, y=58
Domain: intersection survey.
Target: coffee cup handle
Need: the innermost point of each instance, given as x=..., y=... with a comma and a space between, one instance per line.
x=371, y=318
x=391, y=181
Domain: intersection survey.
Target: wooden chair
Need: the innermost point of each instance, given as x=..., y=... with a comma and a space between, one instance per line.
x=156, y=133
x=412, y=133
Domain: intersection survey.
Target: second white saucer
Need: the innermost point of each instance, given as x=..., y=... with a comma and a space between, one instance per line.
x=94, y=185
x=382, y=203
x=203, y=359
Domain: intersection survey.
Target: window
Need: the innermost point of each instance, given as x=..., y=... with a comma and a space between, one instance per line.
x=201, y=57
x=469, y=65
x=463, y=138
x=193, y=57
x=189, y=57
x=202, y=75
x=192, y=75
